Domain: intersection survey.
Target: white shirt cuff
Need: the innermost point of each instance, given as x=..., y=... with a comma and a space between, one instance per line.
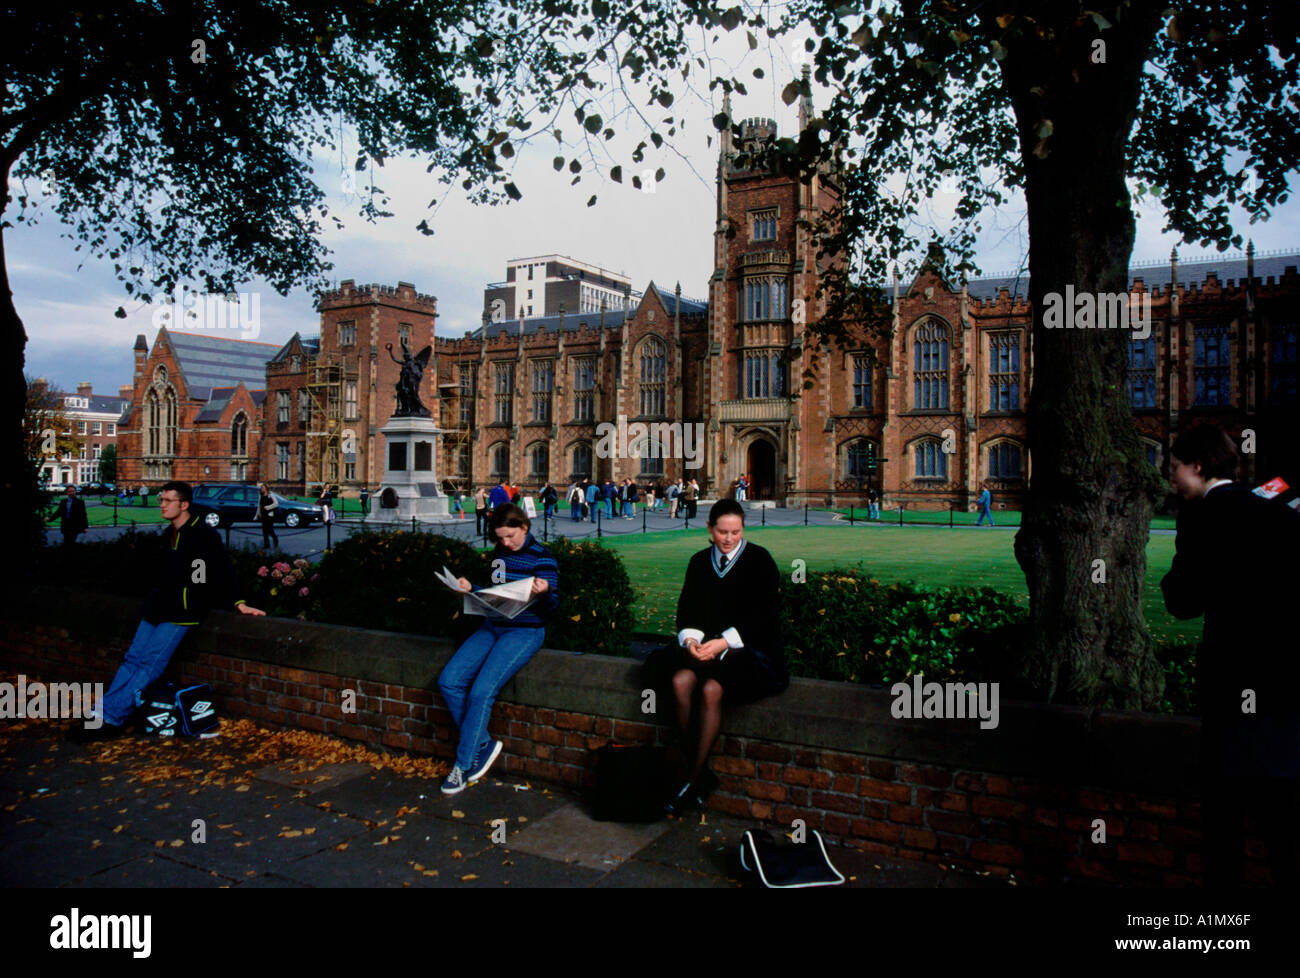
x=732, y=638
x=689, y=633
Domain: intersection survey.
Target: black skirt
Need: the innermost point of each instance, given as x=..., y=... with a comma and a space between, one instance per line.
x=743, y=675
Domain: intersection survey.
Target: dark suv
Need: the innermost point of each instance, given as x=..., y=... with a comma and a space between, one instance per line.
x=229, y=502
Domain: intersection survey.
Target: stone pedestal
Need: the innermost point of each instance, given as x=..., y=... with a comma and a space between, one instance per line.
x=410, y=484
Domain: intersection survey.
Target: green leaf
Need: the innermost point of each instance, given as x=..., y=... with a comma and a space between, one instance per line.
x=665, y=99
x=592, y=202
x=788, y=95
x=558, y=163
x=616, y=174
x=512, y=191
x=592, y=124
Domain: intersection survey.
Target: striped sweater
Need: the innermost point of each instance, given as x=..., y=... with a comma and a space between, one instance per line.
x=531, y=560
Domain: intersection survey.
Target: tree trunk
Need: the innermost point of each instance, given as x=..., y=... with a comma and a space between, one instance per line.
x=1082, y=542
x=18, y=473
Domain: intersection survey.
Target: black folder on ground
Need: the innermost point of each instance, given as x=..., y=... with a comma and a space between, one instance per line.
x=629, y=783
x=790, y=866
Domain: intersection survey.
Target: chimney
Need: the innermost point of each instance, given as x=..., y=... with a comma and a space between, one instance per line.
x=84, y=388
x=141, y=350
x=126, y=391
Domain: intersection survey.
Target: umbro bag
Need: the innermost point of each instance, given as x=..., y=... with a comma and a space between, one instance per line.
x=166, y=710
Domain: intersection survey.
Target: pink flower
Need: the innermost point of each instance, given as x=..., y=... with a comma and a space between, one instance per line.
x=282, y=567
x=315, y=578
x=277, y=573
x=262, y=572
x=300, y=562
x=303, y=592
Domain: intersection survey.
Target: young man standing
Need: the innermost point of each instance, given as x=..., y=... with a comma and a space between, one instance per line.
x=194, y=576
x=71, y=515
x=1235, y=564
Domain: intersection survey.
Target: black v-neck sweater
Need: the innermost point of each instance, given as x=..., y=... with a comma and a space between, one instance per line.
x=747, y=598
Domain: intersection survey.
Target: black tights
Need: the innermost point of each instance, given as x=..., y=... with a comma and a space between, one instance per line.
x=709, y=715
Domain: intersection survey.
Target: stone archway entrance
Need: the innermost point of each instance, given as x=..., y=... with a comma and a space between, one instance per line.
x=760, y=464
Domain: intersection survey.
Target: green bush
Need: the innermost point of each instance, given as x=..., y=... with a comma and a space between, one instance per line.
x=1179, y=662
x=596, y=596
x=844, y=625
x=389, y=581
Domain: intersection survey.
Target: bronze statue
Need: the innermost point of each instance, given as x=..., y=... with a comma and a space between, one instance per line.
x=408, y=384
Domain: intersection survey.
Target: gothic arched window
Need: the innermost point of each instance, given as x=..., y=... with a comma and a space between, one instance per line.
x=930, y=363
x=654, y=378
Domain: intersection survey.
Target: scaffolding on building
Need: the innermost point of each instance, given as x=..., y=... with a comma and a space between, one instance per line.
x=457, y=422
x=326, y=452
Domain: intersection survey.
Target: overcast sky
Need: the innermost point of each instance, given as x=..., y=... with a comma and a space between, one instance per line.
x=664, y=236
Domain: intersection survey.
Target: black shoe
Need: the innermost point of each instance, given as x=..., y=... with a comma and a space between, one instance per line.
x=680, y=800
x=80, y=734
x=703, y=786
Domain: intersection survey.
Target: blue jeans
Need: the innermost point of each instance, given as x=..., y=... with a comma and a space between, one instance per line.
x=150, y=651
x=549, y=512
x=984, y=511
x=575, y=512
x=471, y=680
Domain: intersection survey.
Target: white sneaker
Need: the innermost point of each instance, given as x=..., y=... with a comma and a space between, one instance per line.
x=455, y=782
x=493, y=752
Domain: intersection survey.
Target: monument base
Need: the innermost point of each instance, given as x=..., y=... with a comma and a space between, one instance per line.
x=410, y=485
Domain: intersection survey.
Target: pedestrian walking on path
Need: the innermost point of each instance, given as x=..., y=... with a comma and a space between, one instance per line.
x=266, y=507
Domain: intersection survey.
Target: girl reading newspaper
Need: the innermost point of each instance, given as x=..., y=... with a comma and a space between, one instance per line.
x=471, y=680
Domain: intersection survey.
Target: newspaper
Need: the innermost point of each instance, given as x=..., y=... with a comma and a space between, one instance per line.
x=501, y=600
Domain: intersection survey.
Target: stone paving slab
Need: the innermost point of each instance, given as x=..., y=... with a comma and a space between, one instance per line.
x=635, y=874
x=38, y=855
x=320, y=779
x=389, y=856
x=500, y=866
x=153, y=872
x=570, y=835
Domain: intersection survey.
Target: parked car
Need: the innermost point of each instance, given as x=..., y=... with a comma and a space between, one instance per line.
x=230, y=502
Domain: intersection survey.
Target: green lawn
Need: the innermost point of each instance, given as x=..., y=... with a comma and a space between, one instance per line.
x=1008, y=517
x=928, y=555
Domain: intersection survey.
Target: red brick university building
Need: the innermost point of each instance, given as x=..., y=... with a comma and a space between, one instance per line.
x=930, y=415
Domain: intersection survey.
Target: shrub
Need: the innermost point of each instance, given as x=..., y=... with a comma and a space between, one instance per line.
x=596, y=596
x=844, y=625
x=388, y=580
x=279, y=584
x=1179, y=662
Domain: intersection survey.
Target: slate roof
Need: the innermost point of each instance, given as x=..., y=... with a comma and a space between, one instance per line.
x=1192, y=272
x=310, y=346
x=690, y=307
x=573, y=321
x=209, y=362
x=107, y=403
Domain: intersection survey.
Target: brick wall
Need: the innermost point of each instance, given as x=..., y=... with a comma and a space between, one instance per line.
x=1021, y=798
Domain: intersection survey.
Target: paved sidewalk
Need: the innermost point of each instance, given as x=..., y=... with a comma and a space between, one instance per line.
x=293, y=809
